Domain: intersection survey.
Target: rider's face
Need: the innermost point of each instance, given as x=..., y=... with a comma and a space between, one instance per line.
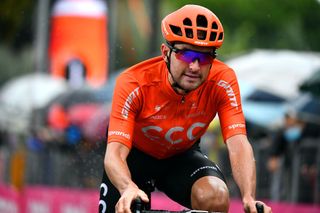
x=189, y=74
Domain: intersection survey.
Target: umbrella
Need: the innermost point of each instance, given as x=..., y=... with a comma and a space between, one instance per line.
x=261, y=108
x=21, y=96
x=279, y=72
x=252, y=93
x=76, y=101
x=72, y=107
x=312, y=84
x=60, y=118
x=31, y=91
x=78, y=106
x=77, y=96
x=80, y=114
x=82, y=95
x=307, y=108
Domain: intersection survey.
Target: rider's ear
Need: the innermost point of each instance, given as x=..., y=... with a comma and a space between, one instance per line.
x=165, y=52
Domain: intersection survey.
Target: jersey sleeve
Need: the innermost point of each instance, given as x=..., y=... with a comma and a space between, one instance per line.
x=126, y=105
x=229, y=106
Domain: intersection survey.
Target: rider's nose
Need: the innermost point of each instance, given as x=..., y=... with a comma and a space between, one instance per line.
x=195, y=65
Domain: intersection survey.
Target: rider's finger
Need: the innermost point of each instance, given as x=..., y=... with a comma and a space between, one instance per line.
x=143, y=196
x=267, y=209
x=119, y=207
x=123, y=206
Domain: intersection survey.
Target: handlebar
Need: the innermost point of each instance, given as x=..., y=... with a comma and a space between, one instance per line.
x=138, y=206
x=259, y=207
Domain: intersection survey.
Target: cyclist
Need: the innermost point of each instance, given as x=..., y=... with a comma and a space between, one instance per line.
x=162, y=106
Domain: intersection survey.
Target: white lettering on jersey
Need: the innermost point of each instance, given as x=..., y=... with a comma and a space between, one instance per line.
x=197, y=114
x=119, y=133
x=128, y=102
x=234, y=126
x=159, y=117
x=195, y=125
x=230, y=93
x=171, y=131
x=151, y=137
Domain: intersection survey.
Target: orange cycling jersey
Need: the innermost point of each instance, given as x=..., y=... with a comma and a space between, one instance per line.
x=149, y=115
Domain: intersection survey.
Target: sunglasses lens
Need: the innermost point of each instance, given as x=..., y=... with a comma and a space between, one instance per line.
x=189, y=56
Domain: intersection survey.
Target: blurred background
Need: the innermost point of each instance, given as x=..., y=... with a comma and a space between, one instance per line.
x=58, y=63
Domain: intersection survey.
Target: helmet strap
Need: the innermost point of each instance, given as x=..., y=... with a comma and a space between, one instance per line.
x=175, y=84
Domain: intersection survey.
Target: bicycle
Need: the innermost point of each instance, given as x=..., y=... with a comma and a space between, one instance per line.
x=141, y=207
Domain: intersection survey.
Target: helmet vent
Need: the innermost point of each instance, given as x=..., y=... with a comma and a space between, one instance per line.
x=214, y=25
x=187, y=22
x=213, y=36
x=202, y=34
x=189, y=33
x=176, y=30
x=202, y=21
x=220, y=36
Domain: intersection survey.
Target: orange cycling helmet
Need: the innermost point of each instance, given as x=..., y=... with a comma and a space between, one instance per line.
x=194, y=25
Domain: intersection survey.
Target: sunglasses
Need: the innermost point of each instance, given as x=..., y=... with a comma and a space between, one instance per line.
x=190, y=56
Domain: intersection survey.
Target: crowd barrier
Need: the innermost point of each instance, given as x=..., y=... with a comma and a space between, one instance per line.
x=297, y=182
x=81, y=168
x=38, y=199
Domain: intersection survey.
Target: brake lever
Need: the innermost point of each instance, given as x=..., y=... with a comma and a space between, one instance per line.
x=259, y=207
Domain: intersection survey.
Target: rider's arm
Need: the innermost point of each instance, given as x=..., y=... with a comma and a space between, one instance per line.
x=243, y=166
x=118, y=172
x=116, y=166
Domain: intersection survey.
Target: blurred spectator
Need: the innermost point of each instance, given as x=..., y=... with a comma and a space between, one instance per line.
x=73, y=134
x=57, y=117
x=76, y=73
x=283, y=147
x=34, y=142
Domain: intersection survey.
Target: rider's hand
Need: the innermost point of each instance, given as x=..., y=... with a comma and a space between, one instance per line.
x=128, y=195
x=250, y=206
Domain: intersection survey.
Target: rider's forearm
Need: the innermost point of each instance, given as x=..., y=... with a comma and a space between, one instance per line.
x=116, y=166
x=243, y=166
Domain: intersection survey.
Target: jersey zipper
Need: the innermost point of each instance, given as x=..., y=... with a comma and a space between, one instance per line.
x=183, y=99
x=178, y=113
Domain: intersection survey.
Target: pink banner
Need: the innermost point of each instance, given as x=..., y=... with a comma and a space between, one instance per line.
x=161, y=201
x=9, y=199
x=59, y=200
x=63, y=200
